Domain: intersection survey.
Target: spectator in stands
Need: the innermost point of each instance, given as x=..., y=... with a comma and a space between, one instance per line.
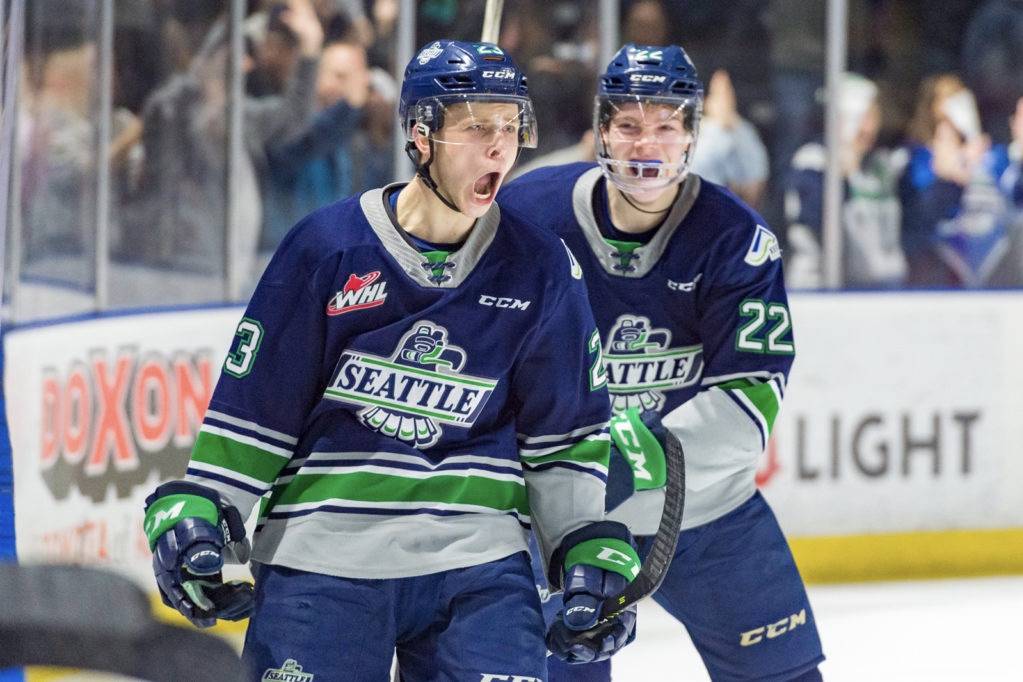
x=273, y=49
x=385, y=23
x=182, y=210
x=955, y=217
x=730, y=151
x=338, y=153
x=646, y=23
x=796, y=56
x=871, y=216
x=1009, y=272
x=992, y=62
x=57, y=134
x=58, y=150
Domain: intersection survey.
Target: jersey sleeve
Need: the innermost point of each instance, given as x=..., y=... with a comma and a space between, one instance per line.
x=748, y=349
x=562, y=404
x=270, y=381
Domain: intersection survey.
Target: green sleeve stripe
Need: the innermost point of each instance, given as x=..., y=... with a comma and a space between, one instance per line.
x=373, y=487
x=761, y=395
x=609, y=554
x=165, y=512
x=230, y=454
x=595, y=451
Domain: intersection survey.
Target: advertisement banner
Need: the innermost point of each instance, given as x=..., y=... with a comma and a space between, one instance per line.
x=100, y=411
x=902, y=414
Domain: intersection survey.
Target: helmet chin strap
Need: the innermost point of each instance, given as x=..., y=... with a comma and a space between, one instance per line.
x=423, y=169
x=625, y=195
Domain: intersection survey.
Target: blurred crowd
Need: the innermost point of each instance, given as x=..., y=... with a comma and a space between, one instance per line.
x=931, y=122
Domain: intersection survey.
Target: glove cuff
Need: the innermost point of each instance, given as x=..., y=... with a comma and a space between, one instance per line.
x=164, y=513
x=604, y=531
x=608, y=554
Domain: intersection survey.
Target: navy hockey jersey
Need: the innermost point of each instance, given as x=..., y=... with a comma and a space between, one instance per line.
x=695, y=325
x=400, y=413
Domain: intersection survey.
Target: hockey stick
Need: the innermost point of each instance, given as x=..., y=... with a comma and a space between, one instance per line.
x=662, y=550
x=492, y=21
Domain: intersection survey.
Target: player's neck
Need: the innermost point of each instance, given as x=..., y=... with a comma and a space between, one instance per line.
x=422, y=214
x=632, y=216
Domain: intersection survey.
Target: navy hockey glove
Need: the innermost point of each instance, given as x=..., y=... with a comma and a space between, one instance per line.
x=190, y=530
x=595, y=569
x=637, y=455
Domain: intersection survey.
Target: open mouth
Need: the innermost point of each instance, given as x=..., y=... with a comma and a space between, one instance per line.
x=485, y=186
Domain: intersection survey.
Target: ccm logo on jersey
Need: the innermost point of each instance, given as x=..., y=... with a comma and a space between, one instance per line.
x=756, y=635
x=505, y=73
x=501, y=302
x=359, y=293
x=508, y=678
x=647, y=78
x=684, y=287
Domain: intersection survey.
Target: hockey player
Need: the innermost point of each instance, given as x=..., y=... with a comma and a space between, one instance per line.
x=415, y=383
x=686, y=286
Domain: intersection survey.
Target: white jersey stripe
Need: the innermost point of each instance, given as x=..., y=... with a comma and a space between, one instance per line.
x=529, y=440
x=252, y=426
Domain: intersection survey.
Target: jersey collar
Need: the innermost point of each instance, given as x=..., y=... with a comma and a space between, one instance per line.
x=410, y=259
x=650, y=253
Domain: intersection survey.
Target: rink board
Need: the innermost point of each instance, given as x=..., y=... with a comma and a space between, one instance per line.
x=895, y=454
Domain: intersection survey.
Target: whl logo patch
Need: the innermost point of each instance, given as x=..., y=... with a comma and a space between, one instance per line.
x=409, y=395
x=641, y=364
x=763, y=248
x=359, y=293
x=291, y=671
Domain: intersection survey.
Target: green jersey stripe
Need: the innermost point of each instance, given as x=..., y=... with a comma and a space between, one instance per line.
x=376, y=487
x=245, y=458
x=593, y=450
x=247, y=440
x=396, y=507
x=762, y=397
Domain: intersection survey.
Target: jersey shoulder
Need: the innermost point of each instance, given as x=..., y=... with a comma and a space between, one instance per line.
x=538, y=190
x=542, y=251
x=321, y=236
x=742, y=242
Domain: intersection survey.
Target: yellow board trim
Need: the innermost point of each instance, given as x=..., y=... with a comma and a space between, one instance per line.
x=909, y=556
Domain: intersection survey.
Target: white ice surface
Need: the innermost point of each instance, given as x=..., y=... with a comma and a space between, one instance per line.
x=934, y=631
x=968, y=630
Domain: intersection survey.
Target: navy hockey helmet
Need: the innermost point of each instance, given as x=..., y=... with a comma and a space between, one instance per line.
x=455, y=73
x=447, y=72
x=638, y=77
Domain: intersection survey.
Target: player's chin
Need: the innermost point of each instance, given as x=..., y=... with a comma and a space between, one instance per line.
x=648, y=195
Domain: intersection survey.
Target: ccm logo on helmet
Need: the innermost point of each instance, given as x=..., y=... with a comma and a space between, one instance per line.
x=506, y=73
x=647, y=78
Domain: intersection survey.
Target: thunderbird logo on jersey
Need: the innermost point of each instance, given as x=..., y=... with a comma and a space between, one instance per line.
x=359, y=293
x=641, y=365
x=409, y=394
x=291, y=671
